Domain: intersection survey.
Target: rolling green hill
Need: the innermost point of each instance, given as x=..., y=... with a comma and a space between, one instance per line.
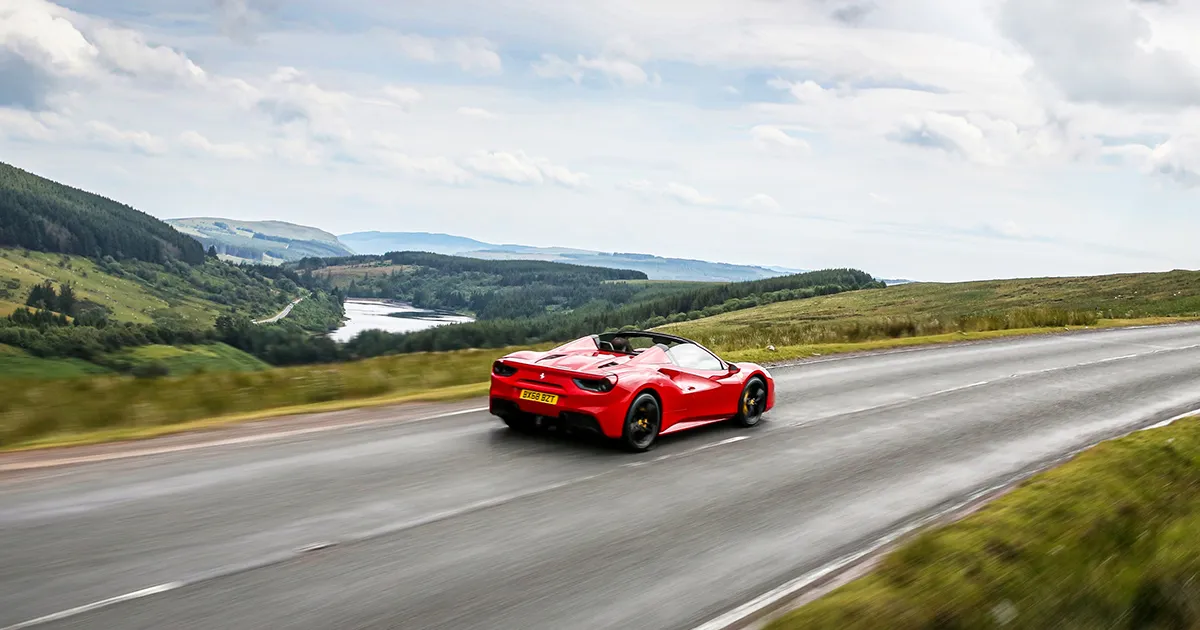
x=268, y=242
x=43, y=215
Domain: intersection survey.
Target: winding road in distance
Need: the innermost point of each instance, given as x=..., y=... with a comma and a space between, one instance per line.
x=407, y=521
x=287, y=310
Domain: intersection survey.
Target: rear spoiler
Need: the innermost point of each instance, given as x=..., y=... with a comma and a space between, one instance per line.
x=530, y=365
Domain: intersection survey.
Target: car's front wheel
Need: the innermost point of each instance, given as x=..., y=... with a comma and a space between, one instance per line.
x=752, y=404
x=642, y=424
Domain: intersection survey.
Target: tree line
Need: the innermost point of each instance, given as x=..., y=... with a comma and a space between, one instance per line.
x=486, y=289
x=671, y=307
x=38, y=214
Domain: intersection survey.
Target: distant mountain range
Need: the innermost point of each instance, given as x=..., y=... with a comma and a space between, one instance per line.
x=275, y=242
x=270, y=242
x=656, y=267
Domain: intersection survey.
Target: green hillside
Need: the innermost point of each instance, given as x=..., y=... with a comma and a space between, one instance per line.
x=89, y=285
x=144, y=293
x=269, y=242
x=42, y=215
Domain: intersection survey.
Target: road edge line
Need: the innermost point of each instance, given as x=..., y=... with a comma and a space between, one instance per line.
x=104, y=603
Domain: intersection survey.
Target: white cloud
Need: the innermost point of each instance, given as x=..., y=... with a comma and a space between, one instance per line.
x=106, y=135
x=472, y=54
x=1101, y=51
x=439, y=169
x=19, y=124
x=1177, y=159
x=688, y=195
x=616, y=70
x=198, y=143
x=47, y=50
x=519, y=168
x=770, y=138
x=555, y=67
x=990, y=141
x=290, y=98
x=476, y=112
x=41, y=33
x=126, y=51
x=405, y=97
x=676, y=191
x=809, y=92
x=761, y=202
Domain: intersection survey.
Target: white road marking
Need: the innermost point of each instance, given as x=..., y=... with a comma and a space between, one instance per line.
x=104, y=603
x=247, y=439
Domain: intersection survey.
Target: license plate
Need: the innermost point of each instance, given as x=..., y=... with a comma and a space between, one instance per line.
x=549, y=399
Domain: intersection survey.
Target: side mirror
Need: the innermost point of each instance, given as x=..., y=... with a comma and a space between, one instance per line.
x=733, y=368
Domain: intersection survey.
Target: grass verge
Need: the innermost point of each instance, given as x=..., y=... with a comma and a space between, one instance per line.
x=59, y=411
x=444, y=394
x=806, y=351
x=1110, y=539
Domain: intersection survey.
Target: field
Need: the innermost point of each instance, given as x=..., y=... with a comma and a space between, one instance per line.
x=183, y=360
x=924, y=310
x=17, y=364
x=1108, y=540
x=341, y=275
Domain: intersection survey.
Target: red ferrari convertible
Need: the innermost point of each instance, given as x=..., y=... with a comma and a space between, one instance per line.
x=628, y=386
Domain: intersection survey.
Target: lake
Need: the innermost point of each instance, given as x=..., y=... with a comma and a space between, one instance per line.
x=379, y=315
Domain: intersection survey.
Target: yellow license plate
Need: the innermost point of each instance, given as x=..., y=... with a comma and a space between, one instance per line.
x=549, y=399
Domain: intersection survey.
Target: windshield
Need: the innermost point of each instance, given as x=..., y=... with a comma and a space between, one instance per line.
x=693, y=357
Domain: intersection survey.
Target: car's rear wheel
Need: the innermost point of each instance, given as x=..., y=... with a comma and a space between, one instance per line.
x=753, y=403
x=642, y=424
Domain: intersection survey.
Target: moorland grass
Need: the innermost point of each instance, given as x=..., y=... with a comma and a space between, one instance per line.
x=1108, y=540
x=928, y=309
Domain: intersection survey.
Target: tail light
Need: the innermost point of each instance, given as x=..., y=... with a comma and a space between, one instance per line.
x=499, y=368
x=596, y=384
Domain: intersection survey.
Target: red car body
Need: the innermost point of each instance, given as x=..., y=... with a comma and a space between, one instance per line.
x=591, y=383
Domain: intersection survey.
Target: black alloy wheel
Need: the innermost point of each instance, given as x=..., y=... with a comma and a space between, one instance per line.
x=642, y=424
x=752, y=403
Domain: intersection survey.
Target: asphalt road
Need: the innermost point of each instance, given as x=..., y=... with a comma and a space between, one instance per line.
x=281, y=314
x=457, y=523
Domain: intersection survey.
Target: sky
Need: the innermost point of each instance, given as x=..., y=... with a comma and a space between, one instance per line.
x=931, y=139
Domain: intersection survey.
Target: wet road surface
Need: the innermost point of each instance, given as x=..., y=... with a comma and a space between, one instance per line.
x=457, y=523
